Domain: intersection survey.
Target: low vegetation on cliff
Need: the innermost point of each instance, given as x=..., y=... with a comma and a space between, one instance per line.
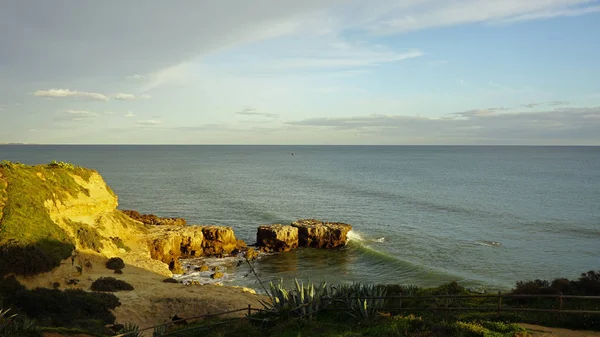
x=30, y=242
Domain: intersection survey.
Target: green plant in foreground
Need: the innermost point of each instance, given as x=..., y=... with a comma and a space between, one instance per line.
x=6, y=320
x=131, y=330
x=303, y=301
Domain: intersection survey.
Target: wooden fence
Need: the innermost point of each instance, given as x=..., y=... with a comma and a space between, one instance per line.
x=499, y=307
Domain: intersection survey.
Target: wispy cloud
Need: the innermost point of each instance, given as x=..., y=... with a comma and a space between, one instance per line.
x=557, y=103
x=253, y=112
x=559, y=124
x=76, y=115
x=124, y=97
x=130, y=114
x=532, y=105
x=145, y=96
x=149, y=122
x=66, y=93
x=548, y=14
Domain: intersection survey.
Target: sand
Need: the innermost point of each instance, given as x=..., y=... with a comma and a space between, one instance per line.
x=152, y=302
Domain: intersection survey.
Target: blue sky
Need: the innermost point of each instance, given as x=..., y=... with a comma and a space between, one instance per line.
x=311, y=72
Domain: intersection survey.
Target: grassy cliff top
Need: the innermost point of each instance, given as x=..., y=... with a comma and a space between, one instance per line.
x=25, y=225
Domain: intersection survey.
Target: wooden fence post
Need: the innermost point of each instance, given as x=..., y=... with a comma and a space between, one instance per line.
x=560, y=305
x=249, y=309
x=499, y=302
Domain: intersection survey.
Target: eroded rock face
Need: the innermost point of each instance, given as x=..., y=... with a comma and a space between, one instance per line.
x=169, y=243
x=220, y=240
x=151, y=219
x=318, y=234
x=277, y=238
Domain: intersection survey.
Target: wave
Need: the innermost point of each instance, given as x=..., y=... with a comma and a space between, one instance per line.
x=488, y=243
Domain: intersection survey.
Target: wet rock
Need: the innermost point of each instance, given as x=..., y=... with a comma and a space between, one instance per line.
x=151, y=219
x=251, y=254
x=204, y=268
x=217, y=275
x=318, y=234
x=277, y=238
x=169, y=243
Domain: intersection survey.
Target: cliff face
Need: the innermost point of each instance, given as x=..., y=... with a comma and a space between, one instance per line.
x=46, y=211
x=277, y=238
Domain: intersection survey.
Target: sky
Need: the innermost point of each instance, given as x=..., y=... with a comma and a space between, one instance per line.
x=473, y=72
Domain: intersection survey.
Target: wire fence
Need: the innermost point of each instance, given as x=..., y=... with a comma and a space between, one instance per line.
x=498, y=307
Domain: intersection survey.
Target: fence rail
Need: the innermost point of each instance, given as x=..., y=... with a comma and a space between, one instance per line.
x=499, y=308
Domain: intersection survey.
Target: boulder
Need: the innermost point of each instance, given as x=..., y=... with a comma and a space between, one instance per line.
x=318, y=234
x=204, y=268
x=219, y=241
x=277, y=238
x=217, y=275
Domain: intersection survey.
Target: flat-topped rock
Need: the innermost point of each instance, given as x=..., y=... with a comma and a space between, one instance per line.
x=318, y=234
x=151, y=219
x=277, y=238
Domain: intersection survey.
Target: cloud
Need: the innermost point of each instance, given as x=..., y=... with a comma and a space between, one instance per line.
x=130, y=114
x=131, y=45
x=474, y=125
x=145, y=96
x=66, y=93
x=548, y=14
x=76, y=115
x=124, y=97
x=532, y=105
x=254, y=112
x=149, y=122
x=556, y=103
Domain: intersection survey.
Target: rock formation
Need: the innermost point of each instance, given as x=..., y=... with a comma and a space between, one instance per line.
x=277, y=238
x=318, y=234
x=302, y=233
x=151, y=219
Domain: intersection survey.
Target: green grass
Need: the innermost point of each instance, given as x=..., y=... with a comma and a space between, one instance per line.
x=25, y=225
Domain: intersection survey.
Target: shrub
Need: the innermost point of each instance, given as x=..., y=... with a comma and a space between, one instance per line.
x=118, y=271
x=59, y=308
x=110, y=284
x=34, y=258
x=115, y=263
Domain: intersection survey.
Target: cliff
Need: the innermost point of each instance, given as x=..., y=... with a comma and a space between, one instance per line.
x=49, y=212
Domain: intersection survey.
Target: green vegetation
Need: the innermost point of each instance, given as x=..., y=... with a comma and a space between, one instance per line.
x=16, y=326
x=55, y=308
x=120, y=244
x=31, y=242
x=87, y=236
x=110, y=284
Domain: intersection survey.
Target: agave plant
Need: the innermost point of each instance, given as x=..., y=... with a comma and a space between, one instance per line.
x=6, y=321
x=362, y=301
x=131, y=330
x=159, y=330
x=303, y=301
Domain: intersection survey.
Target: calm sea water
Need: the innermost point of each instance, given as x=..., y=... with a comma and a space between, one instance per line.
x=484, y=216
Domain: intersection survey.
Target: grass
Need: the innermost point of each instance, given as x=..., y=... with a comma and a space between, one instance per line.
x=25, y=225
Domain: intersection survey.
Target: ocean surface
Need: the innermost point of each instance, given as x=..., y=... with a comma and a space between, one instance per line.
x=485, y=216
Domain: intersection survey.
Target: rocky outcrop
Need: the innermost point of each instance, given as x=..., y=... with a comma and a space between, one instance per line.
x=170, y=243
x=302, y=233
x=220, y=241
x=151, y=219
x=318, y=234
x=277, y=238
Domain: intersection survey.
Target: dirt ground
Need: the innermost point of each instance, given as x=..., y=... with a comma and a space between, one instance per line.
x=542, y=331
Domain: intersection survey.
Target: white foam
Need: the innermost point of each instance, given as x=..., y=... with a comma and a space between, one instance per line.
x=354, y=236
x=380, y=240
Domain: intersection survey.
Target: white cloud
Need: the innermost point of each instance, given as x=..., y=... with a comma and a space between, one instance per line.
x=66, y=93
x=130, y=114
x=149, y=122
x=548, y=14
x=253, y=112
x=135, y=77
x=76, y=115
x=145, y=96
x=124, y=97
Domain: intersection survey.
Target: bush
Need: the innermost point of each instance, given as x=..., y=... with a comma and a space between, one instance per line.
x=115, y=263
x=59, y=308
x=33, y=259
x=110, y=284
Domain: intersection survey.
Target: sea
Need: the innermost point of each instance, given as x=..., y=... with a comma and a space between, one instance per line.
x=484, y=216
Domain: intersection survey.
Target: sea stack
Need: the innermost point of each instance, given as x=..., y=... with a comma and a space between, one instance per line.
x=302, y=233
